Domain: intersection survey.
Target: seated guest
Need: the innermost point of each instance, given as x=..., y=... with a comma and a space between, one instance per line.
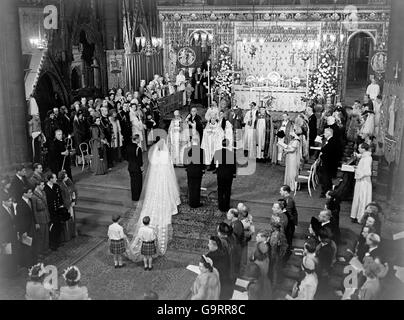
x=333, y=204
x=207, y=283
x=361, y=246
x=259, y=286
x=35, y=289
x=323, y=222
x=371, y=288
x=73, y=291
x=222, y=263
x=306, y=289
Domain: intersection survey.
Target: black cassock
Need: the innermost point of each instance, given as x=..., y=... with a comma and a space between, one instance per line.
x=194, y=161
x=226, y=170
x=135, y=162
x=57, y=158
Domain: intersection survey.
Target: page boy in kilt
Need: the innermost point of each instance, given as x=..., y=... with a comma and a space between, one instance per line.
x=117, y=240
x=147, y=235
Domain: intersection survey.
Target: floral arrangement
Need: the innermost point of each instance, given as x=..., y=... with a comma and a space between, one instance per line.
x=224, y=76
x=72, y=273
x=323, y=80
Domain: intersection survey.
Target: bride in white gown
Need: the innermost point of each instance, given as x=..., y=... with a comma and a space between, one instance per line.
x=159, y=200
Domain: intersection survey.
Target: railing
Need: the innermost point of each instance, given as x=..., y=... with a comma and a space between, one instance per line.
x=233, y=3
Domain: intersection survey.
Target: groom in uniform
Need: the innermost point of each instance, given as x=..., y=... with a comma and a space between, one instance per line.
x=134, y=156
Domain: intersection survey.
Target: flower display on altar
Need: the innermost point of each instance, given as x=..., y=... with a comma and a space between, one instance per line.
x=270, y=101
x=224, y=76
x=323, y=79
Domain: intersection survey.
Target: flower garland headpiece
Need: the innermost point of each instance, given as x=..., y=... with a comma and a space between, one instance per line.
x=37, y=270
x=72, y=274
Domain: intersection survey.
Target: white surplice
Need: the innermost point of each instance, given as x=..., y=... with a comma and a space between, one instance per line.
x=250, y=143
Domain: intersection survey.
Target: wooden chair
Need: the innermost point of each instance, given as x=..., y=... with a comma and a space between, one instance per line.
x=86, y=157
x=309, y=178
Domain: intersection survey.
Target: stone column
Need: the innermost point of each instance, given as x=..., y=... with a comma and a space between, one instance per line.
x=396, y=54
x=13, y=107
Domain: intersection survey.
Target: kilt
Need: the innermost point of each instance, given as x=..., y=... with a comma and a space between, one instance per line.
x=117, y=246
x=148, y=248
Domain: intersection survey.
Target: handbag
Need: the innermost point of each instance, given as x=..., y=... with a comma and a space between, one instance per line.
x=63, y=214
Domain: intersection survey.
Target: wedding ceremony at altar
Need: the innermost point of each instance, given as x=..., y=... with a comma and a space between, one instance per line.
x=201, y=150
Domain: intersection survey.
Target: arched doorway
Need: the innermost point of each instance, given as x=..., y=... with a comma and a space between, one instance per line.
x=360, y=50
x=47, y=95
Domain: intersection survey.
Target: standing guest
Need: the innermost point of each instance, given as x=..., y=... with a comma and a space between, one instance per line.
x=18, y=182
x=238, y=235
x=373, y=216
x=60, y=155
x=223, y=232
x=55, y=203
x=363, y=184
x=36, y=176
x=147, y=237
x=377, y=110
x=65, y=125
x=307, y=288
x=126, y=128
x=5, y=185
x=116, y=139
x=138, y=126
x=222, y=263
x=309, y=251
x=373, y=242
x=8, y=236
x=291, y=213
x=195, y=122
x=259, y=286
x=195, y=167
x=279, y=215
x=246, y=220
x=312, y=128
x=26, y=226
x=98, y=144
x=224, y=160
x=69, y=196
x=188, y=93
x=41, y=213
x=207, y=284
x=50, y=126
x=264, y=130
x=134, y=156
x=37, y=136
x=73, y=291
x=329, y=160
x=323, y=223
x=106, y=127
x=117, y=238
x=326, y=253
x=278, y=249
x=80, y=131
x=262, y=236
x=35, y=289
x=293, y=157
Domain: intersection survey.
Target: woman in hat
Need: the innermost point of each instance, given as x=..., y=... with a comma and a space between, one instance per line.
x=206, y=285
x=98, y=150
x=72, y=290
x=306, y=289
x=35, y=289
x=69, y=193
x=293, y=158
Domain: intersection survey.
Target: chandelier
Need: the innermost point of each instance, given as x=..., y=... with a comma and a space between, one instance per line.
x=305, y=47
x=149, y=46
x=40, y=42
x=251, y=45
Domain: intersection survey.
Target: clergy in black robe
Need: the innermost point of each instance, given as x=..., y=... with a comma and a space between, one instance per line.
x=225, y=162
x=26, y=226
x=60, y=155
x=264, y=129
x=135, y=163
x=199, y=89
x=194, y=162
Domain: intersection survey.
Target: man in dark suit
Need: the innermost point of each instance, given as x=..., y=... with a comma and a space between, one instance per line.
x=329, y=157
x=126, y=127
x=291, y=213
x=323, y=222
x=60, y=155
x=55, y=202
x=18, y=183
x=195, y=167
x=106, y=127
x=135, y=163
x=26, y=226
x=195, y=119
x=312, y=128
x=8, y=236
x=225, y=162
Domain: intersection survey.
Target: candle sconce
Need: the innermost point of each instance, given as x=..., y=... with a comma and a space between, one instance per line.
x=397, y=70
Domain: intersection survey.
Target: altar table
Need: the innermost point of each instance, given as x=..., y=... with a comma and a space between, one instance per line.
x=286, y=99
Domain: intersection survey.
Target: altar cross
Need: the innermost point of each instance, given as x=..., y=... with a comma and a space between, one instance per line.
x=276, y=57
